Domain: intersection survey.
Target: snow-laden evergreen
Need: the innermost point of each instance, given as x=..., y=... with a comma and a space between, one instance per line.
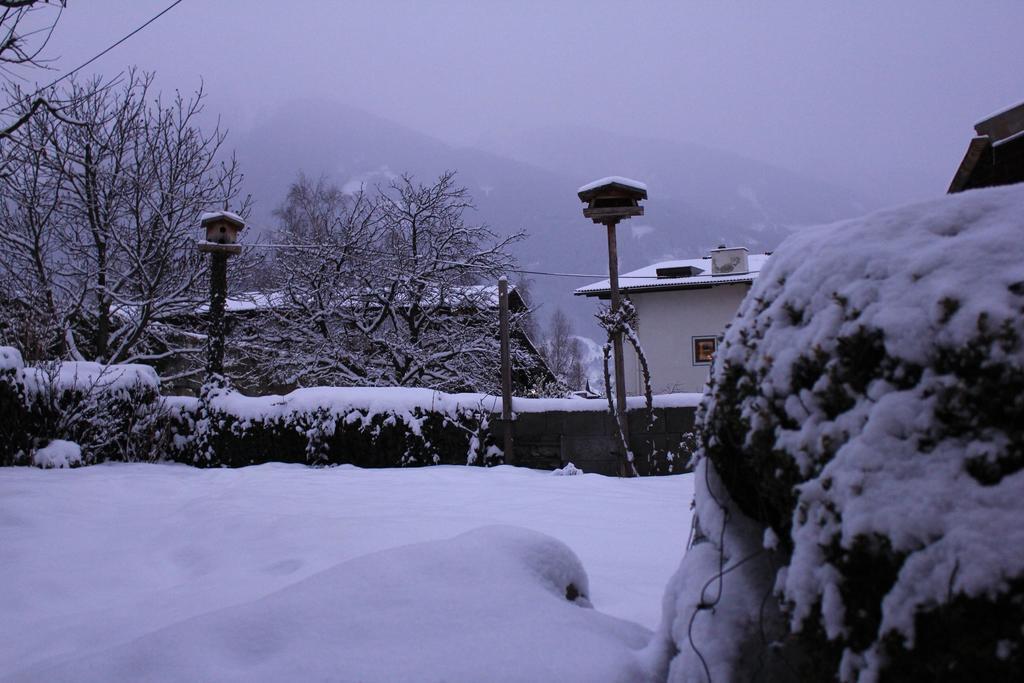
x=866, y=422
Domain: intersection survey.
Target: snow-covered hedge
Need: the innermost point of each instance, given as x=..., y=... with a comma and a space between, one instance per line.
x=116, y=413
x=866, y=419
x=15, y=439
x=364, y=426
x=109, y=412
x=368, y=427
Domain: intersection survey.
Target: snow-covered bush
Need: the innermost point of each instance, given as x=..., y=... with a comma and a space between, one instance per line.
x=179, y=420
x=368, y=427
x=675, y=459
x=111, y=412
x=866, y=410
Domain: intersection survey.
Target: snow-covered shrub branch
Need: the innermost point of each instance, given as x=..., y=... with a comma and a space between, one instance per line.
x=621, y=322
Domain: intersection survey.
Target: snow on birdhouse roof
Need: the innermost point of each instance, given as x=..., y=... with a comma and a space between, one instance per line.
x=647, y=278
x=616, y=179
x=228, y=215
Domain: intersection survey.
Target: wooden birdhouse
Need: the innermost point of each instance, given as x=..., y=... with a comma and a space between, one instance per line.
x=611, y=199
x=222, y=228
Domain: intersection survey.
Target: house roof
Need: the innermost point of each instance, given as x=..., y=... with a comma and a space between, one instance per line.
x=646, y=278
x=996, y=155
x=475, y=295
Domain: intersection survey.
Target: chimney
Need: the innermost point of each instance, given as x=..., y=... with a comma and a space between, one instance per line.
x=729, y=261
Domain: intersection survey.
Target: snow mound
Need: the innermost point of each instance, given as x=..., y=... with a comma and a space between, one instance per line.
x=58, y=454
x=567, y=471
x=10, y=358
x=398, y=615
x=866, y=407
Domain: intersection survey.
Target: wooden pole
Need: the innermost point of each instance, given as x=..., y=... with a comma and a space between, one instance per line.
x=506, y=370
x=620, y=372
x=215, y=328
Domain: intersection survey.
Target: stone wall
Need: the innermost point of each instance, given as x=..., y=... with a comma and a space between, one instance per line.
x=552, y=438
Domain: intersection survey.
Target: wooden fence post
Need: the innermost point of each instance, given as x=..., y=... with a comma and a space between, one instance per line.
x=506, y=371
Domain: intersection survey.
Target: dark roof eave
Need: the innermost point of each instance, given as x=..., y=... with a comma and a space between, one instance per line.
x=977, y=148
x=605, y=293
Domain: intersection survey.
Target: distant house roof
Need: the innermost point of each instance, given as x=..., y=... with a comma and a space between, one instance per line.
x=996, y=155
x=478, y=296
x=647, y=278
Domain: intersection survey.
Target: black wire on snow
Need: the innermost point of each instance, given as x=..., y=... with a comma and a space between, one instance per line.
x=705, y=605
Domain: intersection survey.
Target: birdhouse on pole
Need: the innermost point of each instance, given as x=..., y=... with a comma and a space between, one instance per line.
x=611, y=199
x=222, y=228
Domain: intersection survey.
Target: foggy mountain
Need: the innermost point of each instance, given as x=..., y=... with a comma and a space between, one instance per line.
x=747, y=197
x=699, y=197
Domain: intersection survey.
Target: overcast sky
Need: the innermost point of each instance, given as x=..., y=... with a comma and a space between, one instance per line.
x=876, y=96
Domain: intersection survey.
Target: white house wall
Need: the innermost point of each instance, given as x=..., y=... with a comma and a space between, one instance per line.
x=668, y=322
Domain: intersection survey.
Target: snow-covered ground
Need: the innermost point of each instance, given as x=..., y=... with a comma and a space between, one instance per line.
x=166, y=572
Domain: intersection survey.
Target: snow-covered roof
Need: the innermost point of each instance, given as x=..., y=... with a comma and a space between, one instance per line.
x=1001, y=111
x=1007, y=140
x=628, y=182
x=646, y=278
x=465, y=295
x=249, y=301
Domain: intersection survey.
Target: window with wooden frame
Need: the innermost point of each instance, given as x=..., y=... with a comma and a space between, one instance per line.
x=704, y=350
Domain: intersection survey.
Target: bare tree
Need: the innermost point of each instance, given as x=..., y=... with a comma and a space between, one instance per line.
x=387, y=288
x=37, y=300
x=113, y=202
x=26, y=27
x=430, y=319
x=305, y=331
x=563, y=351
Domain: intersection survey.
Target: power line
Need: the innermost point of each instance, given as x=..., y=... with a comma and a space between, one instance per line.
x=522, y=271
x=78, y=158
x=363, y=250
x=589, y=276
x=98, y=55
